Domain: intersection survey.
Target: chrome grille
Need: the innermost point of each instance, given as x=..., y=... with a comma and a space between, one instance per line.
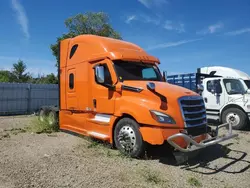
x=193, y=111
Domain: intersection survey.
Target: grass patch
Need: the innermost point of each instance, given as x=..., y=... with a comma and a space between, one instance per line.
x=237, y=138
x=93, y=144
x=4, y=135
x=104, y=148
x=194, y=182
x=39, y=127
x=16, y=131
x=152, y=177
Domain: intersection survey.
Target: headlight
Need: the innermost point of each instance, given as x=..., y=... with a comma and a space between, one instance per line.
x=161, y=117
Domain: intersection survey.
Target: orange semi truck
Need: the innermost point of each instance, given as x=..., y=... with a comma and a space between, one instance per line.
x=114, y=91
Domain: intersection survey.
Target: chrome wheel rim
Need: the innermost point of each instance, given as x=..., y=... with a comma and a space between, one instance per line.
x=127, y=138
x=233, y=119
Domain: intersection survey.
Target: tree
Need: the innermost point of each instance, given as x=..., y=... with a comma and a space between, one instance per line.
x=18, y=72
x=48, y=79
x=51, y=79
x=6, y=76
x=89, y=23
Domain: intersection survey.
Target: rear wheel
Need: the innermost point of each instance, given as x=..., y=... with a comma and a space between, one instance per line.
x=236, y=117
x=42, y=115
x=53, y=118
x=128, y=138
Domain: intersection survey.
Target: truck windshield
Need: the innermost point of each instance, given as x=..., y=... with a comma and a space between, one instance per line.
x=127, y=70
x=234, y=86
x=247, y=83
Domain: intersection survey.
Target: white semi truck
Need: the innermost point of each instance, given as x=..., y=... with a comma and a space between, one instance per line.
x=228, y=73
x=225, y=91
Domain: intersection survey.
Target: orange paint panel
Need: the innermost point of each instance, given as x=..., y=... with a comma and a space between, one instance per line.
x=152, y=135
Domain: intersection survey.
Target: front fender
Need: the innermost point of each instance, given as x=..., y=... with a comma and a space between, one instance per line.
x=231, y=105
x=137, y=108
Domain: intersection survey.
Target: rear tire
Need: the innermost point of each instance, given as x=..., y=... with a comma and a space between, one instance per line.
x=128, y=139
x=235, y=116
x=53, y=119
x=42, y=115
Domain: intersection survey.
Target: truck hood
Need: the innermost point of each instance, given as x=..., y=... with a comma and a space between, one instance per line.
x=172, y=92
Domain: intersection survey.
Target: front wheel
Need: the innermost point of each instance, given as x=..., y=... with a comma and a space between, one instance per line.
x=236, y=117
x=128, y=138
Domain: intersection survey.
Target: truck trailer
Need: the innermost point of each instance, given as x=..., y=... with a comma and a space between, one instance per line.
x=225, y=91
x=113, y=90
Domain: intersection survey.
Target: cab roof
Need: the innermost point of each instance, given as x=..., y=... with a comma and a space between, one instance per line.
x=93, y=47
x=226, y=72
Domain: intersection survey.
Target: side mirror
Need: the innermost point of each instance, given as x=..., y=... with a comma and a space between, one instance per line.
x=99, y=73
x=200, y=87
x=151, y=86
x=165, y=76
x=248, y=91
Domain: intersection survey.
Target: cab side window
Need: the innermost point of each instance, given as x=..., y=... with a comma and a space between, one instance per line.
x=209, y=86
x=71, y=81
x=214, y=86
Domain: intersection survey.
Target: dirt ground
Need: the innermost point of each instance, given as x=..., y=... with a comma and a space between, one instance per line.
x=63, y=160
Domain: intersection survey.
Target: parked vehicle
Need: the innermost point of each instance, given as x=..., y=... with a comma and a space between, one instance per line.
x=228, y=72
x=113, y=90
x=225, y=92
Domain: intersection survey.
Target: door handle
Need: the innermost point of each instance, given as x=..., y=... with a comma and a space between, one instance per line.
x=205, y=99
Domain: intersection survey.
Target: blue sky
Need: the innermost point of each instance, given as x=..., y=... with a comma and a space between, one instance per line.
x=183, y=34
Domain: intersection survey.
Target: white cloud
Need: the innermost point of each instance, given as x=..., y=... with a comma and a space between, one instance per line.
x=170, y=25
x=148, y=19
x=21, y=17
x=211, y=29
x=142, y=18
x=153, y=3
x=172, y=44
x=238, y=32
x=130, y=19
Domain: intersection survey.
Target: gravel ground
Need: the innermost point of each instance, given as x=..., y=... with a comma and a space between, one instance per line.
x=64, y=160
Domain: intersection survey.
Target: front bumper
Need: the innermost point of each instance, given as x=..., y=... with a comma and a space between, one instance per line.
x=211, y=140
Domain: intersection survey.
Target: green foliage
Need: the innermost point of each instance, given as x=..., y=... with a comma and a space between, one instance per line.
x=88, y=23
x=18, y=72
x=6, y=76
x=39, y=127
x=48, y=79
x=194, y=182
x=19, y=75
x=152, y=177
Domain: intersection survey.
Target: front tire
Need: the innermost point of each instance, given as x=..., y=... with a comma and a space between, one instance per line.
x=235, y=116
x=128, y=139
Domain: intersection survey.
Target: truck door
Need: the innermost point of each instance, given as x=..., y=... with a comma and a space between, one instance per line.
x=103, y=98
x=213, y=96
